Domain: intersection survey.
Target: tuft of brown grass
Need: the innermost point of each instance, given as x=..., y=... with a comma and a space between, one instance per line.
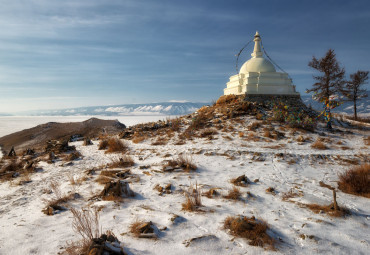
x=233, y=194
x=193, y=199
x=103, y=144
x=124, y=161
x=208, y=132
x=254, y=126
x=116, y=145
x=328, y=209
x=86, y=224
x=356, y=181
x=160, y=141
x=318, y=144
x=367, y=140
x=250, y=228
x=138, y=139
x=212, y=192
x=73, y=156
x=186, y=163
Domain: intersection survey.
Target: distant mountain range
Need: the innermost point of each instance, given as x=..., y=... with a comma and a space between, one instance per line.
x=176, y=108
x=165, y=108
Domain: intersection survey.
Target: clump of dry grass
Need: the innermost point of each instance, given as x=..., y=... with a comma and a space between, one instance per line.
x=193, y=199
x=160, y=141
x=73, y=156
x=356, y=181
x=328, y=209
x=367, y=140
x=318, y=144
x=233, y=194
x=250, y=228
x=186, y=162
x=212, y=192
x=116, y=145
x=86, y=224
x=103, y=144
x=208, y=132
x=59, y=198
x=290, y=194
x=124, y=161
x=240, y=181
x=138, y=139
x=142, y=229
x=254, y=126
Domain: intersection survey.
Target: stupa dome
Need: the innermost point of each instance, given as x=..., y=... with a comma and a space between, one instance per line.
x=258, y=77
x=258, y=64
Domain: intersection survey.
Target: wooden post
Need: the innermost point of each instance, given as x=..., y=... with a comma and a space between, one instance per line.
x=336, y=208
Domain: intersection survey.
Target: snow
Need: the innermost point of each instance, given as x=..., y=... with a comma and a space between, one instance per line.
x=26, y=230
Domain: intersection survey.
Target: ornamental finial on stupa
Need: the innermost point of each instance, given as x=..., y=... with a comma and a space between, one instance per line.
x=257, y=47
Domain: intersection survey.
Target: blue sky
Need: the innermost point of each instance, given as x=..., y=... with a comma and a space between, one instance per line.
x=70, y=53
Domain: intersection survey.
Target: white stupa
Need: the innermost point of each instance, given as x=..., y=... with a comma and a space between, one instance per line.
x=258, y=76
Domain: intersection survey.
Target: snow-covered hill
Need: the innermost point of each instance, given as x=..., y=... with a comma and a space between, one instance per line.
x=164, y=108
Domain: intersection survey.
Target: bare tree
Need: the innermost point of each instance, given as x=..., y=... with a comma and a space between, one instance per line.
x=331, y=81
x=353, y=90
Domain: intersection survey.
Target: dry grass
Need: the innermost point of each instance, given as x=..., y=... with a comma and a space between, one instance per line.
x=319, y=145
x=233, y=194
x=116, y=145
x=328, y=209
x=124, y=161
x=286, y=196
x=367, y=141
x=138, y=139
x=103, y=144
x=73, y=156
x=186, y=163
x=193, y=199
x=356, y=181
x=240, y=181
x=212, y=192
x=254, y=126
x=250, y=228
x=86, y=224
x=135, y=227
x=58, y=197
x=160, y=141
x=208, y=132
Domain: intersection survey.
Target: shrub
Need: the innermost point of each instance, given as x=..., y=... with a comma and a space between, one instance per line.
x=116, y=145
x=250, y=228
x=356, y=181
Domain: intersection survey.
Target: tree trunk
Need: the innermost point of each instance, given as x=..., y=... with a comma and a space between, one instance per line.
x=355, y=108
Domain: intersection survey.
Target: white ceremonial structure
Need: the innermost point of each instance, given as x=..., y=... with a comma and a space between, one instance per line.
x=258, y=76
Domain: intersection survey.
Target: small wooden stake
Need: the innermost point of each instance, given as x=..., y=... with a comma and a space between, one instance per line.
x=336, y=208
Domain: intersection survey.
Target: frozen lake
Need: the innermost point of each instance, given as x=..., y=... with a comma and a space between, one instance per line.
x=11, y=124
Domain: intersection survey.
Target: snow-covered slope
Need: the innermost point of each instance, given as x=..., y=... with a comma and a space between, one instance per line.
x=165, y=108
x=287, y=165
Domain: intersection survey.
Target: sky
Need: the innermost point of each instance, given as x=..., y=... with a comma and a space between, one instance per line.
x=71, y=53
